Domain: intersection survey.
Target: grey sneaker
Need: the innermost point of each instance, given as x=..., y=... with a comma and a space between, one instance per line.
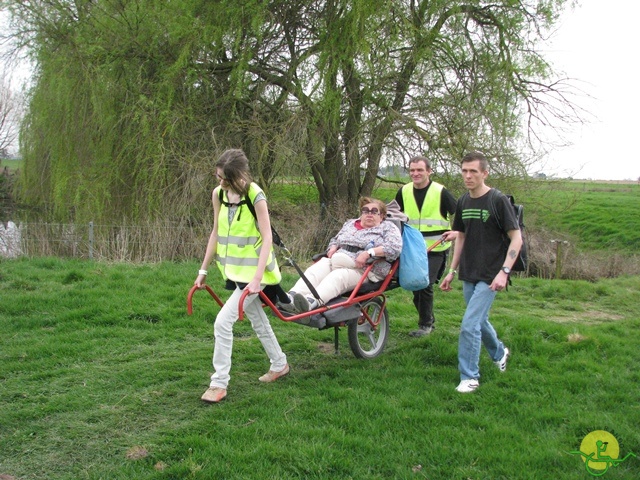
x=302, y=303
x=502, y=363
x=421, y=332
x=468, y=386
x=287, y=307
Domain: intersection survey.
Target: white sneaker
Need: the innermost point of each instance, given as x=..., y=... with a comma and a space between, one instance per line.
x=467, y=386
x=502, y=363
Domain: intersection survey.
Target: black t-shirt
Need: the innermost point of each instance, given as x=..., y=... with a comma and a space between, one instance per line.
x=485, y=244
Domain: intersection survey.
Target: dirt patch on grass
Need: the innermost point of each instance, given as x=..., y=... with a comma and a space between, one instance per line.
x=137, y=453
x=590, y=317
x=576, y=338
x=327, y=347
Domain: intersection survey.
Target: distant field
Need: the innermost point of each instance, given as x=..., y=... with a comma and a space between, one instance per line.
x=601, y=215
x=10, y=164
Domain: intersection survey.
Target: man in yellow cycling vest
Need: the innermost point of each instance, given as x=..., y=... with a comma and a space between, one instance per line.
x=429, y=207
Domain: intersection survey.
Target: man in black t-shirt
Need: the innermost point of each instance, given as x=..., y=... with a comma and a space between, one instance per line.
x=484, y=261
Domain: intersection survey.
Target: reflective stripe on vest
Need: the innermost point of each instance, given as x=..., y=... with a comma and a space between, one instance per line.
x=239, y=245
x=238, y=241
x=246, y=262
x=429, y=219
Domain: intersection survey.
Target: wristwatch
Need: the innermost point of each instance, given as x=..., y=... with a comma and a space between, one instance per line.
x=506, y=270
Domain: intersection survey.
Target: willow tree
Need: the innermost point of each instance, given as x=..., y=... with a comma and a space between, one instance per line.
x=384, y=80
x=133, y=98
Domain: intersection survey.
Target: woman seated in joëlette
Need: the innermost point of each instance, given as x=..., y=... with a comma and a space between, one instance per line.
x=340, y=271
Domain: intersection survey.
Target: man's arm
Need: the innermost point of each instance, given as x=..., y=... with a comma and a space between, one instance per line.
x=399, y=199
x=447, y=203
x=445, y=284
x=514, y=247
x=502, y=278
x=447, y=209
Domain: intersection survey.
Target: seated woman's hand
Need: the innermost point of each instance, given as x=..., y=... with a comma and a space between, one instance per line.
x=361, y=259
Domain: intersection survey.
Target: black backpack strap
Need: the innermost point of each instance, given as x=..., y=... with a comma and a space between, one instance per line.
x=250, y=206
x=274, y=235
x=245, y=201
x=494, y=193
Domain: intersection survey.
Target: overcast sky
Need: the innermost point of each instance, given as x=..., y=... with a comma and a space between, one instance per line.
x=597, y=44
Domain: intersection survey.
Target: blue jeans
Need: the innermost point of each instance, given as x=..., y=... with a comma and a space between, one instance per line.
x=476, y=330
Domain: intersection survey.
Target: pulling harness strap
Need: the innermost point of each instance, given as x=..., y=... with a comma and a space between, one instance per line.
x=312, y=289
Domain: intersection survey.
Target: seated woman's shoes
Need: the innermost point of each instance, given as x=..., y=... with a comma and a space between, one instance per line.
x=287, y=307
x=272, y=376
x=304, y=304
x=214, y=395
x=300, y=302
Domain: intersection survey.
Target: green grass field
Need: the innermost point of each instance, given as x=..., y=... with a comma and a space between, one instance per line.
x=101, y=372
x=603, y=216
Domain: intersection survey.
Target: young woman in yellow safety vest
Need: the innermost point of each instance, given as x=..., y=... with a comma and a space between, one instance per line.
x=242, y=248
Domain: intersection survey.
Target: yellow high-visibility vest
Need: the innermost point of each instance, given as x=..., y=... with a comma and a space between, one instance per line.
x=429, y=219
x=240, y=243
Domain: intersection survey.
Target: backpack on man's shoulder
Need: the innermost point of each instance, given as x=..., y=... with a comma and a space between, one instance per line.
x=522, y=262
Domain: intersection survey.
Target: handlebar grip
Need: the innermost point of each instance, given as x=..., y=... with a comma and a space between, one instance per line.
x=193, y=290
